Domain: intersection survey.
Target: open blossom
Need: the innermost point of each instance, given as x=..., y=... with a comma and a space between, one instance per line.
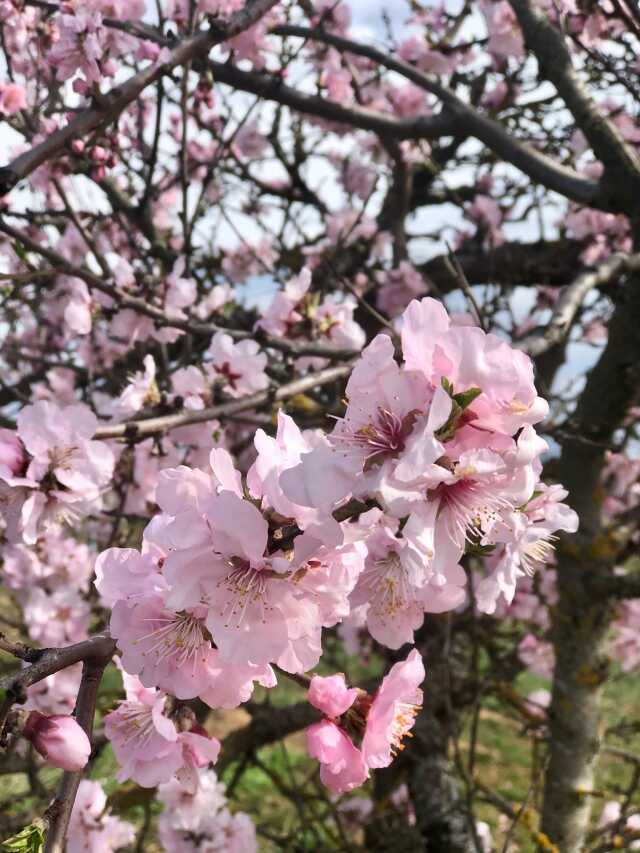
x=56, y=618
x=59, y=740
x=167, y=649
x=12, y=453
x=148, y=745
x=124, y=573
x=237, y=367
x=261, y=603
x=13, y=98
x=92, y=827
x=56, y=561
x=141, y=391
x=469, y=358
x=190, y=384
x=296, y=313
x=393, y=710
x=66, y=471
x=382, y=723
x=404, y=578
x=446, y=439
x=79, y=46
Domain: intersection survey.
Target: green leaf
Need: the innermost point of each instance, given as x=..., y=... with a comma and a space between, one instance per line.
x=29, y=840
x=466, y=398
x=20, y=250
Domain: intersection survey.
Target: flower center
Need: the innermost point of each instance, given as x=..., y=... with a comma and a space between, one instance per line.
x=537, y=554
x=135, y=724
x=180, y=636
x=388, y=586
x=402, y=723
x=468, y=508
x=381, y=438
x=246, y=587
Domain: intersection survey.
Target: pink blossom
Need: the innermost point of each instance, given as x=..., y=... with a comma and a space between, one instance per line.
x=59, y=740
x=190, y=384
x=180, y=293
x=398, y=287
x=469, y=358
x=269, y=607
x=330, y=694
x=147, y=744
x=141, y=391
x=505, y=38
x=184, y=810
x=12, y=455
x=366, y=446
x=78, y=310
x=74, y=468
x=13, y=98
x=393, y=710
x=342, y=767
x=537, y=656
x=384, y=723
x=276, y=455
x=124, y=573
x=79, y=46
x=91, y=827
x=58, y=618
x=237, y=367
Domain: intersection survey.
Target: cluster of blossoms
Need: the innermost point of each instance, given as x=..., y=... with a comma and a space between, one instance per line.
x=92, y=827
x=199, y=820
x=445, y=442
x=49, y=581
x=298, y=314
x=380, y=723
x=239, y=575
x=50, y=469
x=154, y=742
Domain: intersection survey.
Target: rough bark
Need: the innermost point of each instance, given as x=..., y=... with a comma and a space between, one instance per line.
x=441, y=813
x=582, y=617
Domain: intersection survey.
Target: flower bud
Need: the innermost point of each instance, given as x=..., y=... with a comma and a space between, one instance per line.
x=59, y=739
x=12, y=455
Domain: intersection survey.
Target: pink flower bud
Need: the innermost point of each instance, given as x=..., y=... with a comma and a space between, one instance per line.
x=77, y=146
x=80, y=86
x=60, y=740
x=11, y=452
x=331, y=695
x=99, y=154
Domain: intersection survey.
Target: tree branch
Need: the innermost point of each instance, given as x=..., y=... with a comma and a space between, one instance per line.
x=153, y=426
x=162, y=320
x=465, y=118
x=59, y=812
x=621, y=163
x=269, y=724
x=119, y=97
x=272, y=88
x=53, y=660
x=572, y=298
